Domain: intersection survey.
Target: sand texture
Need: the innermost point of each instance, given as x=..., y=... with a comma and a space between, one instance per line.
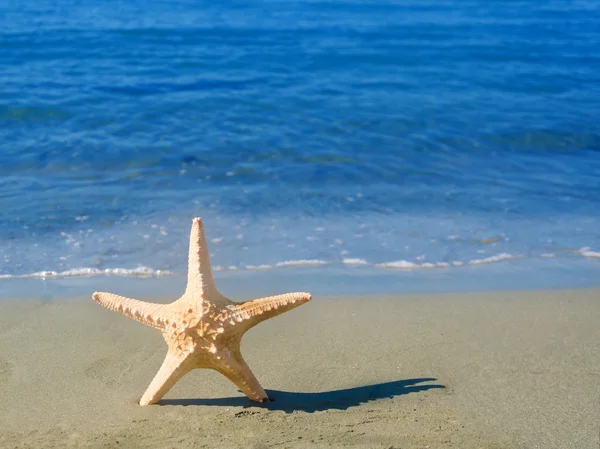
x=489, y=370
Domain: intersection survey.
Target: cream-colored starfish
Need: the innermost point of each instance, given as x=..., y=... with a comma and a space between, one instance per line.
x=203, y=328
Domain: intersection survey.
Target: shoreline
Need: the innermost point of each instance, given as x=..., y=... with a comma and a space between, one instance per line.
x=333, y=281
x=494, y=369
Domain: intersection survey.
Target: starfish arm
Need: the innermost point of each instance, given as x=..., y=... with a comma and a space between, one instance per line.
x=173, y=368
x=237, y=371
x=150, y=314
x=200, y=280
x=249, y=314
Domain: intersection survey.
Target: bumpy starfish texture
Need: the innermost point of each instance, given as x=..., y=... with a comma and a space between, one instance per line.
x=203, y=328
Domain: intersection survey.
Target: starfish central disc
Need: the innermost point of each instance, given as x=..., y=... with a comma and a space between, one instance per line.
x=198, y=331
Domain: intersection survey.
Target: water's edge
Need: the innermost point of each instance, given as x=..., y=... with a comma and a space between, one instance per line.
x=334, y=281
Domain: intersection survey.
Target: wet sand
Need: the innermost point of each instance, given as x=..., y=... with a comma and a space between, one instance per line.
x=482, y=370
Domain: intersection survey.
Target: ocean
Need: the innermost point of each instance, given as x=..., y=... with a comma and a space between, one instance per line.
x=335, y=146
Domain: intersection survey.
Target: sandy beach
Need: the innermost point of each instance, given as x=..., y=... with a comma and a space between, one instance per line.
x=482, y=370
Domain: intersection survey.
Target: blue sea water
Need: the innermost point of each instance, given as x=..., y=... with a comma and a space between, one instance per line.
x=356, y=146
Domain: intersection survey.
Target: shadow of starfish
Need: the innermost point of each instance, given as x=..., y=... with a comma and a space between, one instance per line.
x=311, y=402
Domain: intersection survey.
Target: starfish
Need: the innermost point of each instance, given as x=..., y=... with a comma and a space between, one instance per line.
x=203, y=328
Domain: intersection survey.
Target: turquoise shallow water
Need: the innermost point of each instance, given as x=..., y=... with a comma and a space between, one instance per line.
x=396, y=145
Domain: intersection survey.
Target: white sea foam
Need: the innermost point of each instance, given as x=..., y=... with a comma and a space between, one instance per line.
x=85, y=271
x=258, y=267
x=144, y=271
x=301, y=263
x=351, y=261
x=407, y=265
x=492, y=259
x=587, y=252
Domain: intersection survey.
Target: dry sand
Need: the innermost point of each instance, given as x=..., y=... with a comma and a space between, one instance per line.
x=489, y=370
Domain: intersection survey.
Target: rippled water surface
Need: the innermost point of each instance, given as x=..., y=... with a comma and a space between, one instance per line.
x=350, y=137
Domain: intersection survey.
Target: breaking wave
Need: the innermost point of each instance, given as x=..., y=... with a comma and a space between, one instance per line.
x=144, y=271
